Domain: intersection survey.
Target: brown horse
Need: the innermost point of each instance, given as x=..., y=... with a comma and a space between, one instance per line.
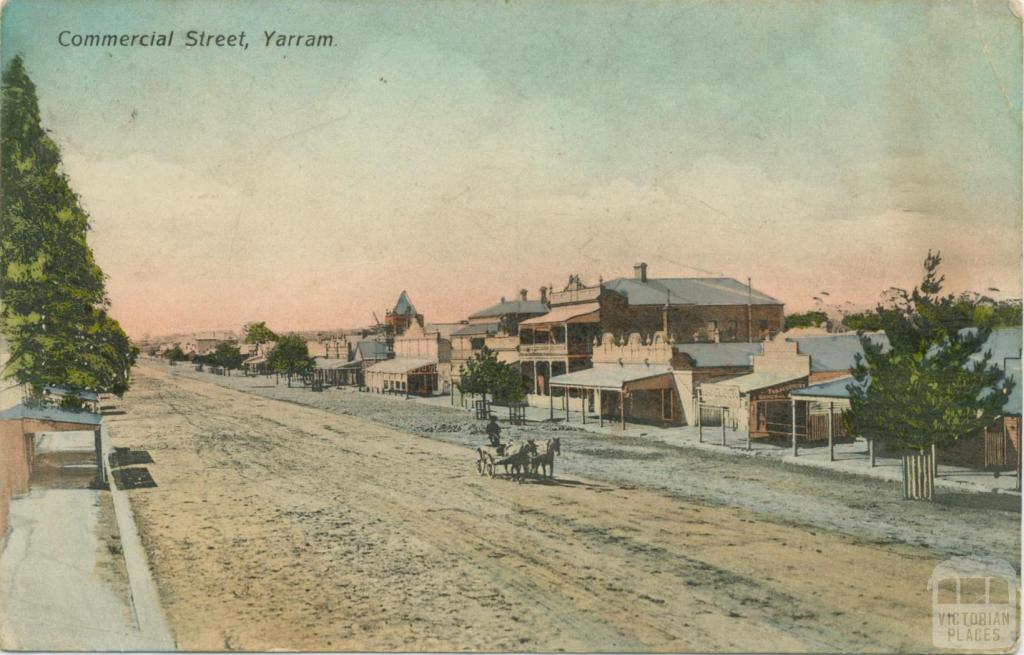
x=544, y=458
x=517, y=457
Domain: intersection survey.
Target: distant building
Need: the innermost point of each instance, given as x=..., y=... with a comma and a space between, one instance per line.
x=496, y=328
x=404, y=314
x=204, y=344
x=684, y=310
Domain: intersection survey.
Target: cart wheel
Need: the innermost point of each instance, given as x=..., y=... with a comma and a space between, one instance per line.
x=480, y=466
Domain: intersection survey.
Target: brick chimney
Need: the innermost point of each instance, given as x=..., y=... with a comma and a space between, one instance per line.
x=640, y=271
x=544, y=294
x=522, y=295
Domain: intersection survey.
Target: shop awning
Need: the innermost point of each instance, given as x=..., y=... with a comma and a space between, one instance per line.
x=401, y=365
x=585, y=313
x=832, y=390
x=615, y=377
x=333, y=363
x=755, y=381
x=48, y=413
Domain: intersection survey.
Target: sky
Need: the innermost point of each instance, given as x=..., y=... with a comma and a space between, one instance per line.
x=462, y=150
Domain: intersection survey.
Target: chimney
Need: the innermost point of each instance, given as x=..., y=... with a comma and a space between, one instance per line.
x=522, y=295
x=640, y=271
x=544, y=294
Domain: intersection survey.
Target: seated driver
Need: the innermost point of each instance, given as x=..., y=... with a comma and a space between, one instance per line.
x=494, y=434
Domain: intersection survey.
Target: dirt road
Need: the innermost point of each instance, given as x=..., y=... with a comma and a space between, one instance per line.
x=281, y=526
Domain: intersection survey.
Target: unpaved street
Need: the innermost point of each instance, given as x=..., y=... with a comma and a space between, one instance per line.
x=276, y=525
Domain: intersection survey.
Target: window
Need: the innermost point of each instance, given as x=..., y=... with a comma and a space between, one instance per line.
x=764, y=324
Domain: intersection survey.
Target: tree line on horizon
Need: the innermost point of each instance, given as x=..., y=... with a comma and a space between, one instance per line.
x=54, y=307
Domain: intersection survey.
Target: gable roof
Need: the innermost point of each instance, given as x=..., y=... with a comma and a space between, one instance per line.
x=688, y=291
x=404, y=306
x=512, y=307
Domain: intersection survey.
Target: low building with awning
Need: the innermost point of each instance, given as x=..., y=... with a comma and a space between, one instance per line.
x=621, y=392
x=333, y=372
x=758, y=402
x=409, y=376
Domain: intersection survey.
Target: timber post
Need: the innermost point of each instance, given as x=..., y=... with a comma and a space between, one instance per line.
x=622, y=408
x=722, y=415
x=793, y=413
x=831, y=441
x=101, y=477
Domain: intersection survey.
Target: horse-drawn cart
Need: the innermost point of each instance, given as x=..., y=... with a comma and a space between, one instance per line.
x=519, y=459
x=515, y=457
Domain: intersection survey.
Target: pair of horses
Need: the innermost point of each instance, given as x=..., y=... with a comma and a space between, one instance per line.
x=521, y=458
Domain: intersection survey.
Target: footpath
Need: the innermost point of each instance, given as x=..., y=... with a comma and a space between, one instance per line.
x=850, y=457
x=63, y=582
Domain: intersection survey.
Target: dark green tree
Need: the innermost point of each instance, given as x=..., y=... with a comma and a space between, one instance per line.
x=934, y=384
x=259, y=333
x=175, y=354
x=866, y=321
x=52, y=291
x=485, y=375
x=806, y=319
x=228, y=356
x=290, y=356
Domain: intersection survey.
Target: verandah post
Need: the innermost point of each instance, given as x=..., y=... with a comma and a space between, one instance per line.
x=831, y=444
x=793, y=412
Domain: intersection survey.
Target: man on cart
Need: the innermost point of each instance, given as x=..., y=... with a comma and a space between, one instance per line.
x=494, y=434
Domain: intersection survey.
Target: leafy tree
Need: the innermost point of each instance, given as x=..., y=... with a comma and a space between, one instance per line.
x=175, y=354
x=933, y=385
x=484, y=374
x=227, y=355
x=51, y=290
x=806, y=319
x=867, y=321
x=259, y=333
x=290, y=356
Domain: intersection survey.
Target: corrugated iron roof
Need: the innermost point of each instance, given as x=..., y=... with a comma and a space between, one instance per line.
x=566, y=313
x=609, y=376
x=754, y=381
x=476, y=329
x=836, y=352
x=838, y=388
x=47, y=413
x=512, y=307
x=688, y=291
x=332, y=363
x=371, y=349
x=400, y=365
x=720, y=354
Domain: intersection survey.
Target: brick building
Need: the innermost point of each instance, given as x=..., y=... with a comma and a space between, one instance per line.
x=684, y=310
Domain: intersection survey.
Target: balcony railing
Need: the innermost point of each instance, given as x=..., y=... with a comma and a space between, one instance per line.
x=544, y=349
